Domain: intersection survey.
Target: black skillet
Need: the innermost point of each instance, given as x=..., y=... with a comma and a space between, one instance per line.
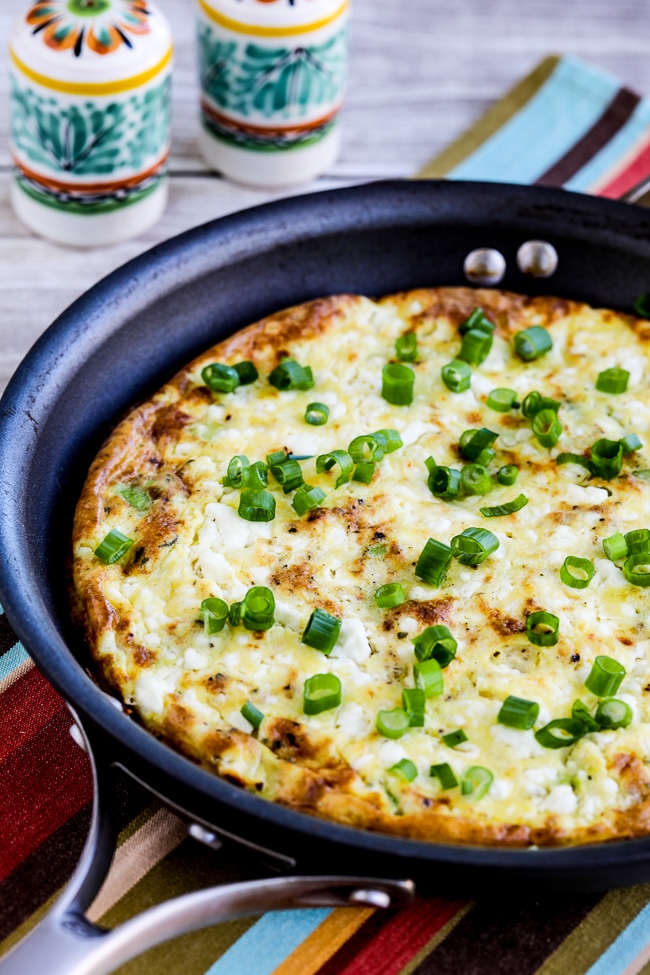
x=118, y=344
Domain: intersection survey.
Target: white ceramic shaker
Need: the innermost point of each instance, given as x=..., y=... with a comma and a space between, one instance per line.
x=90, y=118
x=273, y=75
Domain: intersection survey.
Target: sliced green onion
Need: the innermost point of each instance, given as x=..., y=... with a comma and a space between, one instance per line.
x=220, y=378
x=534, y=403
x=238, y=468
x=234, y=614
x=307, y=497
x=486, y=457
x=406, y=347
x=532, y=342
x=636, y=569
x=114, y=546
x=475, y=479
x=390, y=595
x=214, y=613
x=444, y=774
x=642, y=306
x=277, y=457
x=322, y=631
x=428, y=678
x=365, y=448
x=325, y=462
x=518, y=713
x=252, y=715
x=291, y=375
x=579, y=459
x=322, y=693
x=473, y=442
x=437, y=643
x=364, y=471
x=258, y=609
x=454, y=738
x=501, y=400
x=444, y=483
x=288, y=474
x=497, y=510
x=638, y=541
x=397, y=384
x=317, y=414
x=580, y=712
x=475, y=347
x=456, y=376
x=247, y=373
x=577, y=573
x=404, y=768
x=389, y=440
x=605, y=677
x=433, y=562
x=631, y=442
x=612, y=381
x=607, y=458
x=476, y=320
x=476, y=781
x=257, y=476
x=542, y=629
x=507, y=474
x=393, y=724
x=547, y=428
x=561, y=733
x=413, y=702
x=473, y=546
x=612, y=713
x=256, y=506
x=615, y=547
x=139, y=498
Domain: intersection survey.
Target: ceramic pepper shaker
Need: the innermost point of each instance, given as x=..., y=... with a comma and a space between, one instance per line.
x=90, y=118
x=272, y=78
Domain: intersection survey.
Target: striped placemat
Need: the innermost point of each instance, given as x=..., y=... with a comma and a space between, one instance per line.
x=569, y=124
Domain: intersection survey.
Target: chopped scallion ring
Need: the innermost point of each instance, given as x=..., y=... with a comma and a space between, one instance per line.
x=364, y=471
x=507, y=474
x=580, y=712
x=631, y=442
x=234, y=614
x=497, y=510
x=518, y=713
x=532, y=342
x=612, y=713
x=546, y=427
x=322, y=631
x=579, y=459
x=444, y=774
x=365, y=448
x=561, y=733
x=636, y=569
x=114, y=546
x=605, y=677
x=473, y=546
x=642, y=306
x=288, y=474
x=638, y=541
x=238, y=468
x=390, y=595
x=413, y=702
x=389, y=440
x=139, y=498
x=501, y=400
x=325, y=462
x=437, y=643
x=428, y=677
x=214, y=614
x=433, y=562
x=406, y=347
x=257, y=476
x=477, y=320
x=258, y=609
x=393, y=724
x=615, y=547
x=576, y=572
x=542, y=629
x=474, y=442
x=607, y=458
x=475, y=347
x=291, y=375
x=397, y=384
x=405, y=768
x=256, y=506
x=612, y=381
x=456, y=376
x=317, y=414
x=476, y=782
x=534, y=403
x=322, y=693
x=444, y=482
x=475, y=479
x=220, y=378
x=307, y=497
x=247, y=373
x=453, y=738
x=251, y=713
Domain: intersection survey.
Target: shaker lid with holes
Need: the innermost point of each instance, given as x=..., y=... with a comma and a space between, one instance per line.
x=81, y=42
x=271, y=16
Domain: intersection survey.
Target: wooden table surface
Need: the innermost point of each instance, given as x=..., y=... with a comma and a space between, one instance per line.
x=421, y=72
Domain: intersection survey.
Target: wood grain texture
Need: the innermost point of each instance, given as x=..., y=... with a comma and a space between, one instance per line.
x=420, y=74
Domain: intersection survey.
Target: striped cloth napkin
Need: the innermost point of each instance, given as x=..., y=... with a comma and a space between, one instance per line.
x=566, y=124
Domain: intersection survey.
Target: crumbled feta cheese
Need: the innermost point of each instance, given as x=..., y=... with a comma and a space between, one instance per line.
x=561, y=800
x=352, y=641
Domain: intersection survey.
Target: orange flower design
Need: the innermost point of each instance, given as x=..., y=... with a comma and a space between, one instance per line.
x=101, y=25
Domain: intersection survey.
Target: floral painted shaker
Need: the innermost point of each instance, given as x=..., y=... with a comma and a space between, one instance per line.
x=90, y=118
x=272, y=76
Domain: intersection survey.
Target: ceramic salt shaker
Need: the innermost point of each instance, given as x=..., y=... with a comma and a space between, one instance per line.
x=272, y=75
x=90, y=118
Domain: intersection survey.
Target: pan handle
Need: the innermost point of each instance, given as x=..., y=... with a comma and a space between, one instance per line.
x=67, y=943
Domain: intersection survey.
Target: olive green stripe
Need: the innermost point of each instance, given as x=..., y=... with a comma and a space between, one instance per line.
x=132, y=828
x=437, y=939
x=491, y=122
x=587, y=942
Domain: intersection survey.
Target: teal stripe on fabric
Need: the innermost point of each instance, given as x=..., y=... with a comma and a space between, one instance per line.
x=626, y=948
x=12, y=659
x=268, y=942
x=609, y=155
x=562, y=111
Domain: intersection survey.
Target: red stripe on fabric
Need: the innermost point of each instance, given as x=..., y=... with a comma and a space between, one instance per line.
x=401, y=938
x=45, y=781
x=637, y=170
x=25, y=708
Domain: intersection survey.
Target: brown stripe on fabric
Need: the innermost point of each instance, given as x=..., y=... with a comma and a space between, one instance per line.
x=363, y=936
x=502, y=937
x=8, y=638
x=605, y=128
x=491, y=122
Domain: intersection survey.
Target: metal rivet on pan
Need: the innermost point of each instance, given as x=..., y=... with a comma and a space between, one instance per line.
x=204, y=835
x=485, y=265
x=77, y=737
x=537, y=258
x=371, y=898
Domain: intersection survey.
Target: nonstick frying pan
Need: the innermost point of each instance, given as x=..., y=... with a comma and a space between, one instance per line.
x=118, y=344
